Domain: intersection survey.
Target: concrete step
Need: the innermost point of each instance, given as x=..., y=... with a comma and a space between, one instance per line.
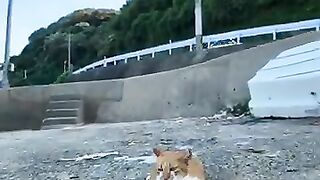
x=73, y=112
x=63, y=111
x=65, y=97
x=64, y=104
x=59, y=121
x=60, y=126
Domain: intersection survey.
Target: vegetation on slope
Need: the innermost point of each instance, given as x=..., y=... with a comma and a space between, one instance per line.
x=141, y=24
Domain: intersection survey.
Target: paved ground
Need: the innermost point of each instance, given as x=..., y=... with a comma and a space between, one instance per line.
x=238, y=149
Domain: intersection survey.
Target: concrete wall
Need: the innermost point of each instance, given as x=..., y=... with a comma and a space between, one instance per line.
x=196, y=90
x=162, y=62
x=21, y=108
x=24, y=108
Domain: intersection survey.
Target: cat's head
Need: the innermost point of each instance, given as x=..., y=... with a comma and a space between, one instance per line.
x=171, y=164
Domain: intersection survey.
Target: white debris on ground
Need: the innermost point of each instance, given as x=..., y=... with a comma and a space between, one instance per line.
x=95, y=156
x=223, y=115
x=141, y=159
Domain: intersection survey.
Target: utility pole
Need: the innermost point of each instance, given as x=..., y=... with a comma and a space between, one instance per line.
x=5, y=80
x=70, y=66
x=198, y=24
x=69, y=53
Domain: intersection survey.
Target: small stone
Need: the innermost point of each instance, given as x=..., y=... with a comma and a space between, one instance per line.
x=204, y=118
x=74, y=177
x=291, y=170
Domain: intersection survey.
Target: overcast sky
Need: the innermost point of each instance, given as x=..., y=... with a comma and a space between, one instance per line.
x=30, y=15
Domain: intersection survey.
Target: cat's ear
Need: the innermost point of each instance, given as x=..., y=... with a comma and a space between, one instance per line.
x=157, y=152
x=188, y=155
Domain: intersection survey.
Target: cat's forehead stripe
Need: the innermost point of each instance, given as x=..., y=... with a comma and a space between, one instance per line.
x=166, y=164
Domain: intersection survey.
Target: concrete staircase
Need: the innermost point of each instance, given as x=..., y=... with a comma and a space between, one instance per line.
x=63, y=111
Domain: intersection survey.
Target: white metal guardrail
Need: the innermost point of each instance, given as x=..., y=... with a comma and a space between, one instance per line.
x=237, y=35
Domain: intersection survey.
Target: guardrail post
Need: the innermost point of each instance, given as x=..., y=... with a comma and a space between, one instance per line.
x=274, y=35
x=126, y=60
x=318, y=28
x=138, y=57
x=115, y=62
x=105, y=64
x=170, y=50
x=153, y=54
x=190, y=48
x=238, y=39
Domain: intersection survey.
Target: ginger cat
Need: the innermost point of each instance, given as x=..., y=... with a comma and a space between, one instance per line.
x=176, y=165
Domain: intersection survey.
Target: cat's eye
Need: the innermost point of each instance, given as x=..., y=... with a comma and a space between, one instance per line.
x=160, y=169
x=173, y=169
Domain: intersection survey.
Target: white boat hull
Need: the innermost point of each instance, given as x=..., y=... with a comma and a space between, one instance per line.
x=289, y=85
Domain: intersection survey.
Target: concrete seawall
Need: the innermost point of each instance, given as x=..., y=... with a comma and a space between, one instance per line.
x=24, y=108
x=196, y=90
x=160, y=63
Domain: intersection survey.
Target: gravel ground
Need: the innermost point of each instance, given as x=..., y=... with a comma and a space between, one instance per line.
x=239, y=149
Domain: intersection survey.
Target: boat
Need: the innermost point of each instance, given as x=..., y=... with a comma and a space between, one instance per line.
x=288, y=86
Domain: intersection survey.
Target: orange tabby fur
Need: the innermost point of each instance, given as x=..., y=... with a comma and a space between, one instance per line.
x=175, y=165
